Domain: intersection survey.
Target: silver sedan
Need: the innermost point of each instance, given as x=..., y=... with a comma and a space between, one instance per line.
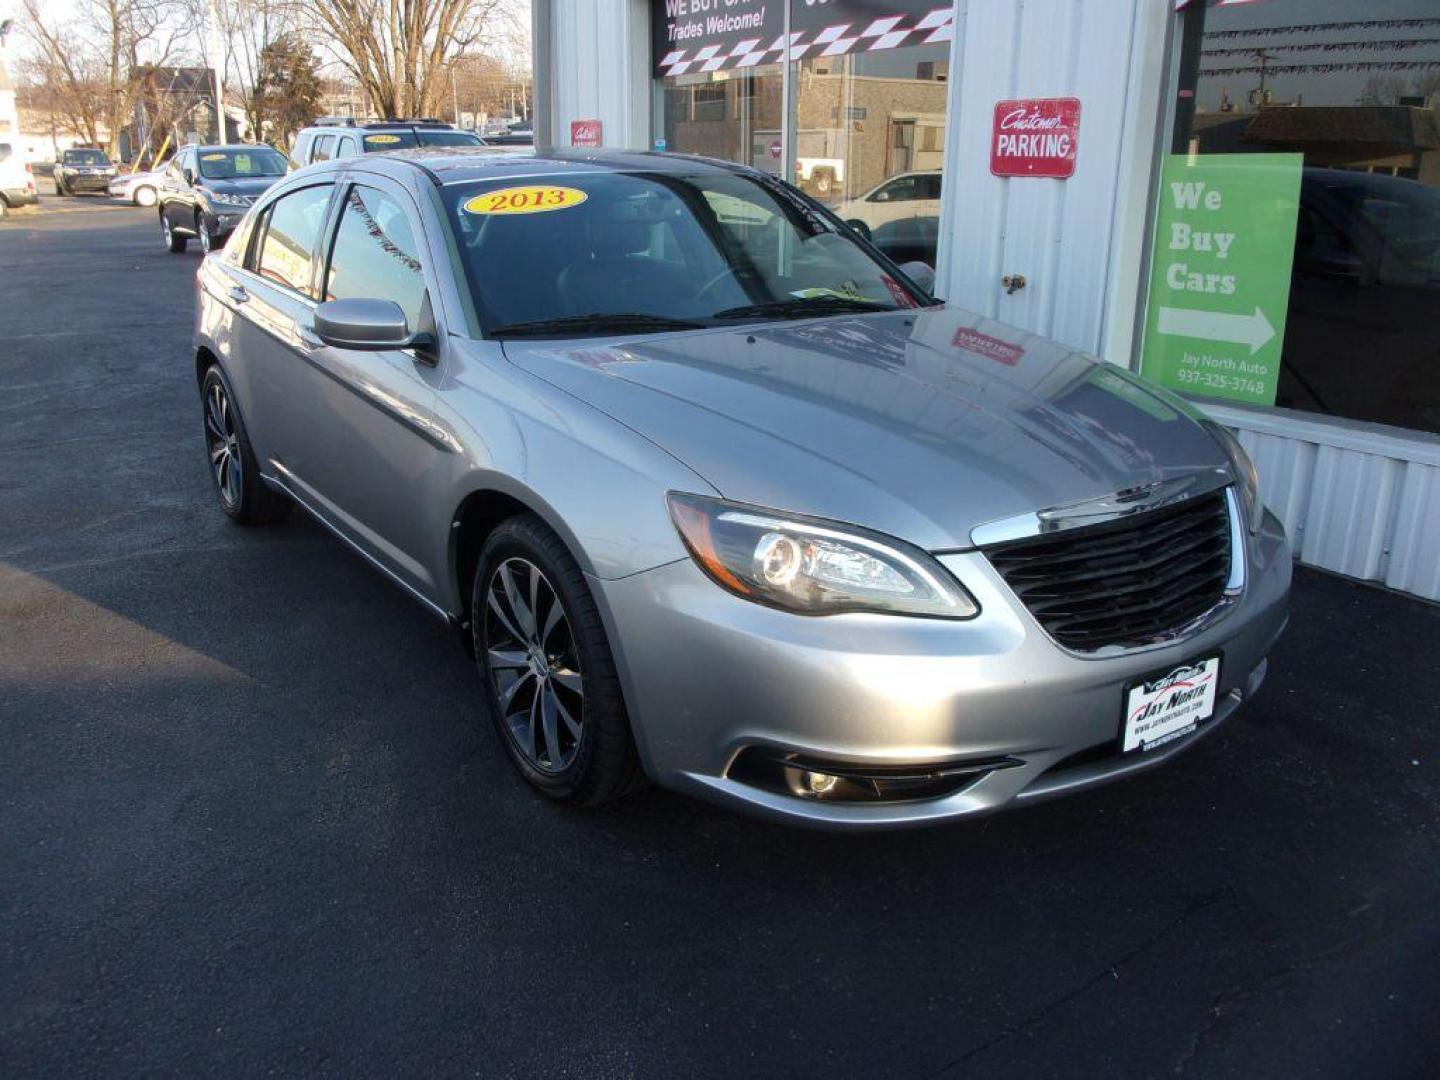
x=719, y=497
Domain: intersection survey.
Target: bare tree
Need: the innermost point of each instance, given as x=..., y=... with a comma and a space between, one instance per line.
x=92, y=66
x=400, y=51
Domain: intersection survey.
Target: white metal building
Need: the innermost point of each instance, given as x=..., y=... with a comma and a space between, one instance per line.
x=1316, y=121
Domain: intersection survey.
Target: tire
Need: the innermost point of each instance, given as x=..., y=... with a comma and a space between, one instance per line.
x=174, y=242
x=207, y=242
x=143, y=196
x=245, y=498
x=60, y=188
x=575, y=669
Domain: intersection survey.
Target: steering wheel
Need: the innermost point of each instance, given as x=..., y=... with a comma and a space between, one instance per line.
x=727, y=272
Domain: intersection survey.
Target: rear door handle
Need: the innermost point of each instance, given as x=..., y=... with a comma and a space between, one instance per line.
x=239, y=295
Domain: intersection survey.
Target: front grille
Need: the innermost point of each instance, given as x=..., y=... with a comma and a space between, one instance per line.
x=1126, y=583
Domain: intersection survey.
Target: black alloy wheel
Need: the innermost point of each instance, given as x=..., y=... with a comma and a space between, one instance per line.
x=550, y=682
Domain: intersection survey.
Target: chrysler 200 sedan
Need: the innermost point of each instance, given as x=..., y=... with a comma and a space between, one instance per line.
x=721, y=498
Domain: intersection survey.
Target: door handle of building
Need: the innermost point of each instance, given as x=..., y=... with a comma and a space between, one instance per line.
x=1013, y=283
x=238, y=294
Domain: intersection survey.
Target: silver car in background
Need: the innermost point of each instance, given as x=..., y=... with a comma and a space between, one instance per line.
x=719, y=497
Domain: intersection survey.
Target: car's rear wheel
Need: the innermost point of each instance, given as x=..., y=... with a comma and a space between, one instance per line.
x=548, y=673
x=143, y=196
x=233, y=469
x=173, y=241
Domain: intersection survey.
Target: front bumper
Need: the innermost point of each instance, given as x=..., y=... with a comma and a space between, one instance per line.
x=709, y=676
x=21, y=197
x=221, y=221
x=95, y=182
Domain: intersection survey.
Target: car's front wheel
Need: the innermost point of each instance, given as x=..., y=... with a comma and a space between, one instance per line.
x=243, y=495
x=548, y=674
x=207, y=242
x=172, y=240
x=143, y=196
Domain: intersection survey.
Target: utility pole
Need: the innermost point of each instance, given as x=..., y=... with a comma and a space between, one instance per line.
x=217, y=64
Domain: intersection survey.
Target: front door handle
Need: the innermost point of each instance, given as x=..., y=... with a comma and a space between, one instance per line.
x=239, y=295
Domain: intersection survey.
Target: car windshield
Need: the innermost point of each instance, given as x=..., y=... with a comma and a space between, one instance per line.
x=608, y=252
x=406, y=139
x=85, y=157
x=240, y=163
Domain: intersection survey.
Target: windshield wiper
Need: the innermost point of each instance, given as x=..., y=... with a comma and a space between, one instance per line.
x=802, y=307
x=595, y=322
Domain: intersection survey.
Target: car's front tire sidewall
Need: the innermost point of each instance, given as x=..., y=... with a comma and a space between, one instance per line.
x=257, y=504
x=605, y=765
x=144, y=196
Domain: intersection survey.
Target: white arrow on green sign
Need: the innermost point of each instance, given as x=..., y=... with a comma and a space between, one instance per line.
x=1220, y=274
x=1253, y=330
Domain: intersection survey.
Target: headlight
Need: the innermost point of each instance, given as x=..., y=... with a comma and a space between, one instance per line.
x=813, y=567
x=1247, y=480
x=223, y=199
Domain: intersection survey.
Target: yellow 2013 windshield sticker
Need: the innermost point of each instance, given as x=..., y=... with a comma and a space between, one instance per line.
x=212, y=157
x=525, y=200
x=382, y=138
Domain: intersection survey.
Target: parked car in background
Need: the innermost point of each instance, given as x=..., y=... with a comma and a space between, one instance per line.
x=83, y=171
x=346, y=137
x=720, y=497
x=900, y=198
x=139, y=188
x=205, y=191
x=17, y=180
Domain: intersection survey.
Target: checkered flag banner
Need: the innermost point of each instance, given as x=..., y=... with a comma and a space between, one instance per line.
x=891, y=32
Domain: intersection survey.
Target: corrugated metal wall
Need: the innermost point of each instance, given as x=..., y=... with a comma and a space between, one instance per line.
x=1075, y=241
x=1355, y=500
x=600, y=69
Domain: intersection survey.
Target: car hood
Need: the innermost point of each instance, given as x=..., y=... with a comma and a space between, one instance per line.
x=923, y=424
x=248, y=185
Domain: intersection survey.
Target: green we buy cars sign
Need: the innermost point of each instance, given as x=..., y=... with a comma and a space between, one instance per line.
x=1220, y=274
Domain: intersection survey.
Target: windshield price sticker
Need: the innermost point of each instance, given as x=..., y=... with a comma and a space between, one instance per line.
x=525, y=200
x=1220, y=274
x=382, y=139
x=212, y=157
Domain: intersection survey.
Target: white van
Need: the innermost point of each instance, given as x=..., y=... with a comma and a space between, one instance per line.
x=17, y=182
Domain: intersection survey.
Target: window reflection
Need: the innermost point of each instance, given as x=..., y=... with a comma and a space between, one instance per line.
x=1353, y=86
x=375, y=255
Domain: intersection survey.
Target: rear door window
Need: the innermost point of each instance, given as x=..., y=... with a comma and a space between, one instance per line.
x=289, y=238
x=323, y=148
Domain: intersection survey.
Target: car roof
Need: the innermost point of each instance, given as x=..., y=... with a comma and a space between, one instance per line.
x=228, y=146
x=465, y=164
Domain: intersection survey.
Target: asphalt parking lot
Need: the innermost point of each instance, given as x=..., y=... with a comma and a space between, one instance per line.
x=254, y=822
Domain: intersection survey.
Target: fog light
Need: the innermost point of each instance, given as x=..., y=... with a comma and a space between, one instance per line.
x=819, y=783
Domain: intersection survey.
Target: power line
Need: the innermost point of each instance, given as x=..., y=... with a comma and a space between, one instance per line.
x=1313, y=28
x=1395, y=44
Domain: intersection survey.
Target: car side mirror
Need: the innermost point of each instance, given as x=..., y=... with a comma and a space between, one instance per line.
x=367, y=326
x=922, y=274
x=860, y=227
x=189, y=175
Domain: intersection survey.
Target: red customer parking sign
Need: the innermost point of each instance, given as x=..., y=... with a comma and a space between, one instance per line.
x=1035, y=137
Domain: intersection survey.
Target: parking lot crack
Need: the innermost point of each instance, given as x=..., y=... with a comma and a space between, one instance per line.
x=1192, y=907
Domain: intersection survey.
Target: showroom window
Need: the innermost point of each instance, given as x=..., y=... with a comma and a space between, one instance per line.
x=857, y=98
x=1295, y=259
